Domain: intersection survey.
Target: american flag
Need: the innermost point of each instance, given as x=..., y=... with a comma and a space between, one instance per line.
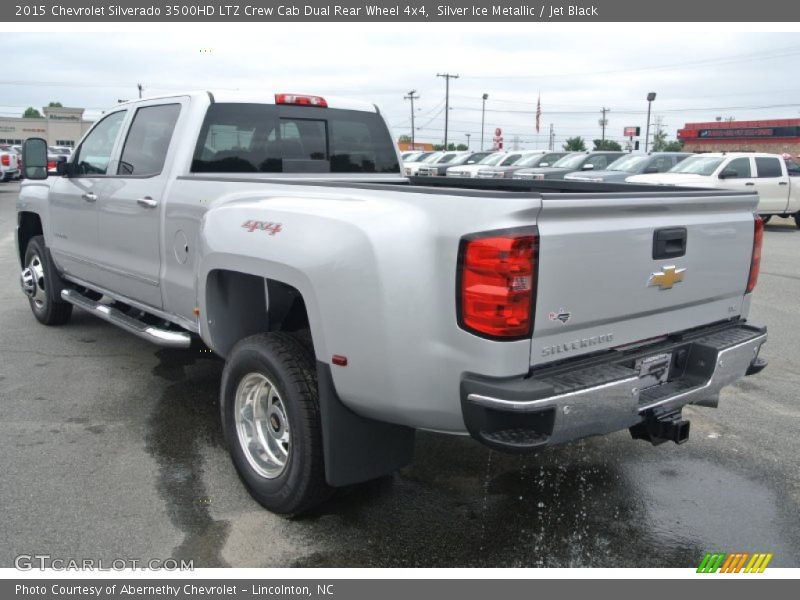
x=538, y=112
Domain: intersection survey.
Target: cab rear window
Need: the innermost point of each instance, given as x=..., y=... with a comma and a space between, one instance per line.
x=264, y=138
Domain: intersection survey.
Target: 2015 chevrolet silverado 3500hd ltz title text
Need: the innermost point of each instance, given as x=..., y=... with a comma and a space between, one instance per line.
x=354, y=306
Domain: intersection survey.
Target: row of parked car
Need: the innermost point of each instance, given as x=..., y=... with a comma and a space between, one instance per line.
x=11, y=160
x=539, y=164
x=770, y=175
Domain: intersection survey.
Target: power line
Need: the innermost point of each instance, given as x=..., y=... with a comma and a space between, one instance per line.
x=736, y=58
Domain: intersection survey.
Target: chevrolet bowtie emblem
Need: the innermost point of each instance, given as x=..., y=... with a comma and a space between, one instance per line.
x=668, y=277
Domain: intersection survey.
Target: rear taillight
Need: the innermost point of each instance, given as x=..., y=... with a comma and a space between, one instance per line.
x=51, y=165
x=755, y=260
x=497, y=283
x=301, y=100
x=6, y=160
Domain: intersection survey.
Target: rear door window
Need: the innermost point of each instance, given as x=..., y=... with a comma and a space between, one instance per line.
x=768, y=166
x=148, y=140
x=242, y=138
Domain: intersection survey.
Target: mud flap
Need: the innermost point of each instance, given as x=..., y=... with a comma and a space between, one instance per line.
x=356, y=448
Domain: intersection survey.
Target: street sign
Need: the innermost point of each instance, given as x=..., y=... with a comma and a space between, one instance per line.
x=632, y=131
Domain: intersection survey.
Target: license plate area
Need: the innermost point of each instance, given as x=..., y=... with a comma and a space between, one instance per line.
x=653, y=370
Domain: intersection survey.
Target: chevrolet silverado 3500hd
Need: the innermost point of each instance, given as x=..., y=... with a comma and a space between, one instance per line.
x=354, y=306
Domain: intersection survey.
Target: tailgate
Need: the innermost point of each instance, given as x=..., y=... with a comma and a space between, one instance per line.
x=596, y=286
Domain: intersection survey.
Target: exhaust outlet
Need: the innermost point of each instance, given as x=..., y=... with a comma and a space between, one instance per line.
x=660, y=427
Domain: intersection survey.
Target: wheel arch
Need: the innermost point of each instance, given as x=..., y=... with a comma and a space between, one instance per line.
x=29, y=224
x=239, y=304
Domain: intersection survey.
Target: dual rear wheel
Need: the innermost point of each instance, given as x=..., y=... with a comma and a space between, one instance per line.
x=270, y=417
x=269, y=401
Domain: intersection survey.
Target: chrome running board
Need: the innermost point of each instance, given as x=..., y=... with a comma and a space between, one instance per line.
x=156, y=335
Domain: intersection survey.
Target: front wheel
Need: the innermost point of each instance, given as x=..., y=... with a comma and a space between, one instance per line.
x=797, y=219
x=39, y=282
x=271, y=420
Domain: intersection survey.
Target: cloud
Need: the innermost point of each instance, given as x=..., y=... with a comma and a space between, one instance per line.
x=577, y=71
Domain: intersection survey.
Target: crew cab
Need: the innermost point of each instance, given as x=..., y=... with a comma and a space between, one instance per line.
x=776, y=180
x=354, y=306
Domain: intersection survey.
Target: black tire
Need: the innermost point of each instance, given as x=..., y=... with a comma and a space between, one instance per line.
x=765, y=218
x=289, y=365
x=797, y=220
x=47, y=306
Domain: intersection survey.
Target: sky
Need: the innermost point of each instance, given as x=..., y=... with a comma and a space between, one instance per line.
x=698, y=75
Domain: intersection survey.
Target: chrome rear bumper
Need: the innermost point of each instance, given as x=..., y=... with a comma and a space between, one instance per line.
x=603, y=395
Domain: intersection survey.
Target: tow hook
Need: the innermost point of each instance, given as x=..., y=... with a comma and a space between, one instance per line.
x=662, y=426
x=28, y=282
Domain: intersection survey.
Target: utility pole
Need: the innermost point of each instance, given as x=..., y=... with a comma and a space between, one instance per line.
x=139, y=85
x=658, y=126
x=447, y=78
x=552, y=141
x=603, y=123
x=468, y=134
x=412, y=97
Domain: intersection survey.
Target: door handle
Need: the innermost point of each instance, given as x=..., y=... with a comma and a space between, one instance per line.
x=89, y=197
x=749, y=183
x=147, y=202
x=783, y=183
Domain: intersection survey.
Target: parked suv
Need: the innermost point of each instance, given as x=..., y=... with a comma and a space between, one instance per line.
x=532, y=160
x=632, y=164
x=440, y=167
x=577, y=161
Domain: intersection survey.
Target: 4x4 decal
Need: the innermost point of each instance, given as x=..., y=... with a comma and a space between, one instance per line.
x=268, y=226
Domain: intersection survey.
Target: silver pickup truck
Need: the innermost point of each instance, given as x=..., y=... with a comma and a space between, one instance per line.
x=354, y=306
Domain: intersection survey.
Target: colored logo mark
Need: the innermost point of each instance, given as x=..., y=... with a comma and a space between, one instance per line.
x=738, y=562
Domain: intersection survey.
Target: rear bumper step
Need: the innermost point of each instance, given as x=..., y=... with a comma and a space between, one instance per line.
x=567, y=403
x=156, y=335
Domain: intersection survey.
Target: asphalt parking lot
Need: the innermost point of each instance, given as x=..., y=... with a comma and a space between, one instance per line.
x=111, y=448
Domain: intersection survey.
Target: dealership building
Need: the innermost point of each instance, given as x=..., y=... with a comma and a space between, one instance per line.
x=60, y=126
x=777, y=136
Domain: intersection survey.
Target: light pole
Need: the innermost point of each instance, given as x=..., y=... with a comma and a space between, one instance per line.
x=483, y=114
x=469, y=134
x=650, y=97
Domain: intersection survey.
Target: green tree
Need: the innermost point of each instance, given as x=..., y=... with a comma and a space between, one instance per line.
x=575, y=144
x=55, y=105
x=404, y=139
x=461, y=147
x=607, y=145
x=31, y=113
x=659, y=140
x=673, y=146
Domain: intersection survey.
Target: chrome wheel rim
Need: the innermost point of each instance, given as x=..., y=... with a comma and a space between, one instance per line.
x=37, y=272
x=262, y=425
